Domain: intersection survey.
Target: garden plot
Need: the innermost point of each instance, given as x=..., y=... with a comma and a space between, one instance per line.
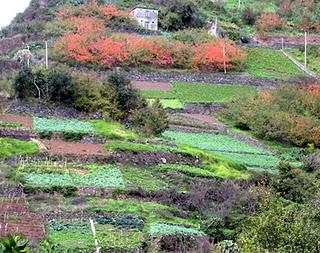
x=15, y=217
x=121, y=224
x=57, y=125
x=228, y=148
x=189, y=93
x=215, y=142
x=50, y=175
x=61, y=147
x=15, y=121
x=77, y=235
x=103, y=128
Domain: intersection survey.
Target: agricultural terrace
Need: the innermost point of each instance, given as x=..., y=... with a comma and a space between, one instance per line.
x=226, y=147
x=196, y=93
x=267, y=63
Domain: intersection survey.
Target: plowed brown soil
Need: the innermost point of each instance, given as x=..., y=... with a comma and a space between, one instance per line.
x=141, y=85
x=61, y=147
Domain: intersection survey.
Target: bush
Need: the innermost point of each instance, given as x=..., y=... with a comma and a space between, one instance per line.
x=151, y=121
x=311, y=162
x=61, y=87
x=288, y=114
x=269, y=22
x=23, y=84
x=249, y=17
x=180, y=14
x=214, y=228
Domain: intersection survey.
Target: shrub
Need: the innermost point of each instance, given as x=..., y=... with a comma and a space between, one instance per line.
x=180, y=14
x=311, y=162
x=61, y=87
x=23, y=84
x=152, y=121
x=249, y=17
x=214, y=228
x=288, y=114
x=269, y=22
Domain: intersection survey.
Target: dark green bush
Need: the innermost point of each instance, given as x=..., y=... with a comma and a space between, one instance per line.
x=45, y=135
x=72, y=136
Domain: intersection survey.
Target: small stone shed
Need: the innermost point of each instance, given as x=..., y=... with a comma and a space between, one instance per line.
x=147, y=18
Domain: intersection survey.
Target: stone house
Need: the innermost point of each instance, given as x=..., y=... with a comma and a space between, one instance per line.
x=147, y=18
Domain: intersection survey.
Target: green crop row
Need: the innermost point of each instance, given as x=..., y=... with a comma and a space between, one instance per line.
x=159, y=229
x=214, y=142
x=108, y=129
x=95, y=176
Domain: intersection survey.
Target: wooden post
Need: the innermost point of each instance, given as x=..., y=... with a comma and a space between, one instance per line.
x=224, y=57
x=28, y=59
x=305, y=49
x=95, y=236
x=282, y=44
x=47, y=62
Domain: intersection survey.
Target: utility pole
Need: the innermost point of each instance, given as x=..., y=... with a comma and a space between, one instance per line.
x=305, y=49
x=47, y=62
x=282, y=44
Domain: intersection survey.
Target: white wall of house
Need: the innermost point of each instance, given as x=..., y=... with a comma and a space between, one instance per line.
x=147, y=18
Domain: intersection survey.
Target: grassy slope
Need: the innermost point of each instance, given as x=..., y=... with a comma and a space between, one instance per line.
x=12, y=147
x=267, y=63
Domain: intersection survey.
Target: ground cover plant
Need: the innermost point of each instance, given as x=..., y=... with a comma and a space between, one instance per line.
x=267, y=63
x=12, y=147
x=200, y=93
x=49, y=175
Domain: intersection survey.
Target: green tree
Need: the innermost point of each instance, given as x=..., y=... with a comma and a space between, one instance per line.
x=281, y=228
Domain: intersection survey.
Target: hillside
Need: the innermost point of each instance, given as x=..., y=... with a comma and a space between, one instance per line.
x=128, y=139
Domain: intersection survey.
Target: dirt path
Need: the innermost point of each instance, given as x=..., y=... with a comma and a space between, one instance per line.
x=26, y=122
x=141, y=85
x=61, y=147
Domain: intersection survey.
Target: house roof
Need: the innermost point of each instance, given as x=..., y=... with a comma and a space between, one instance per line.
x=145, y=8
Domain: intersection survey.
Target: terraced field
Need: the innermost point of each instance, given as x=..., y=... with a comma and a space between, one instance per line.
x=189, y=93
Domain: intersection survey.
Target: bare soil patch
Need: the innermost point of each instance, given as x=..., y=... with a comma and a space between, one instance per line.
x=142, y=85
x=203, y=118
x=26, y=122
x=61, y=147
x=16, y=218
